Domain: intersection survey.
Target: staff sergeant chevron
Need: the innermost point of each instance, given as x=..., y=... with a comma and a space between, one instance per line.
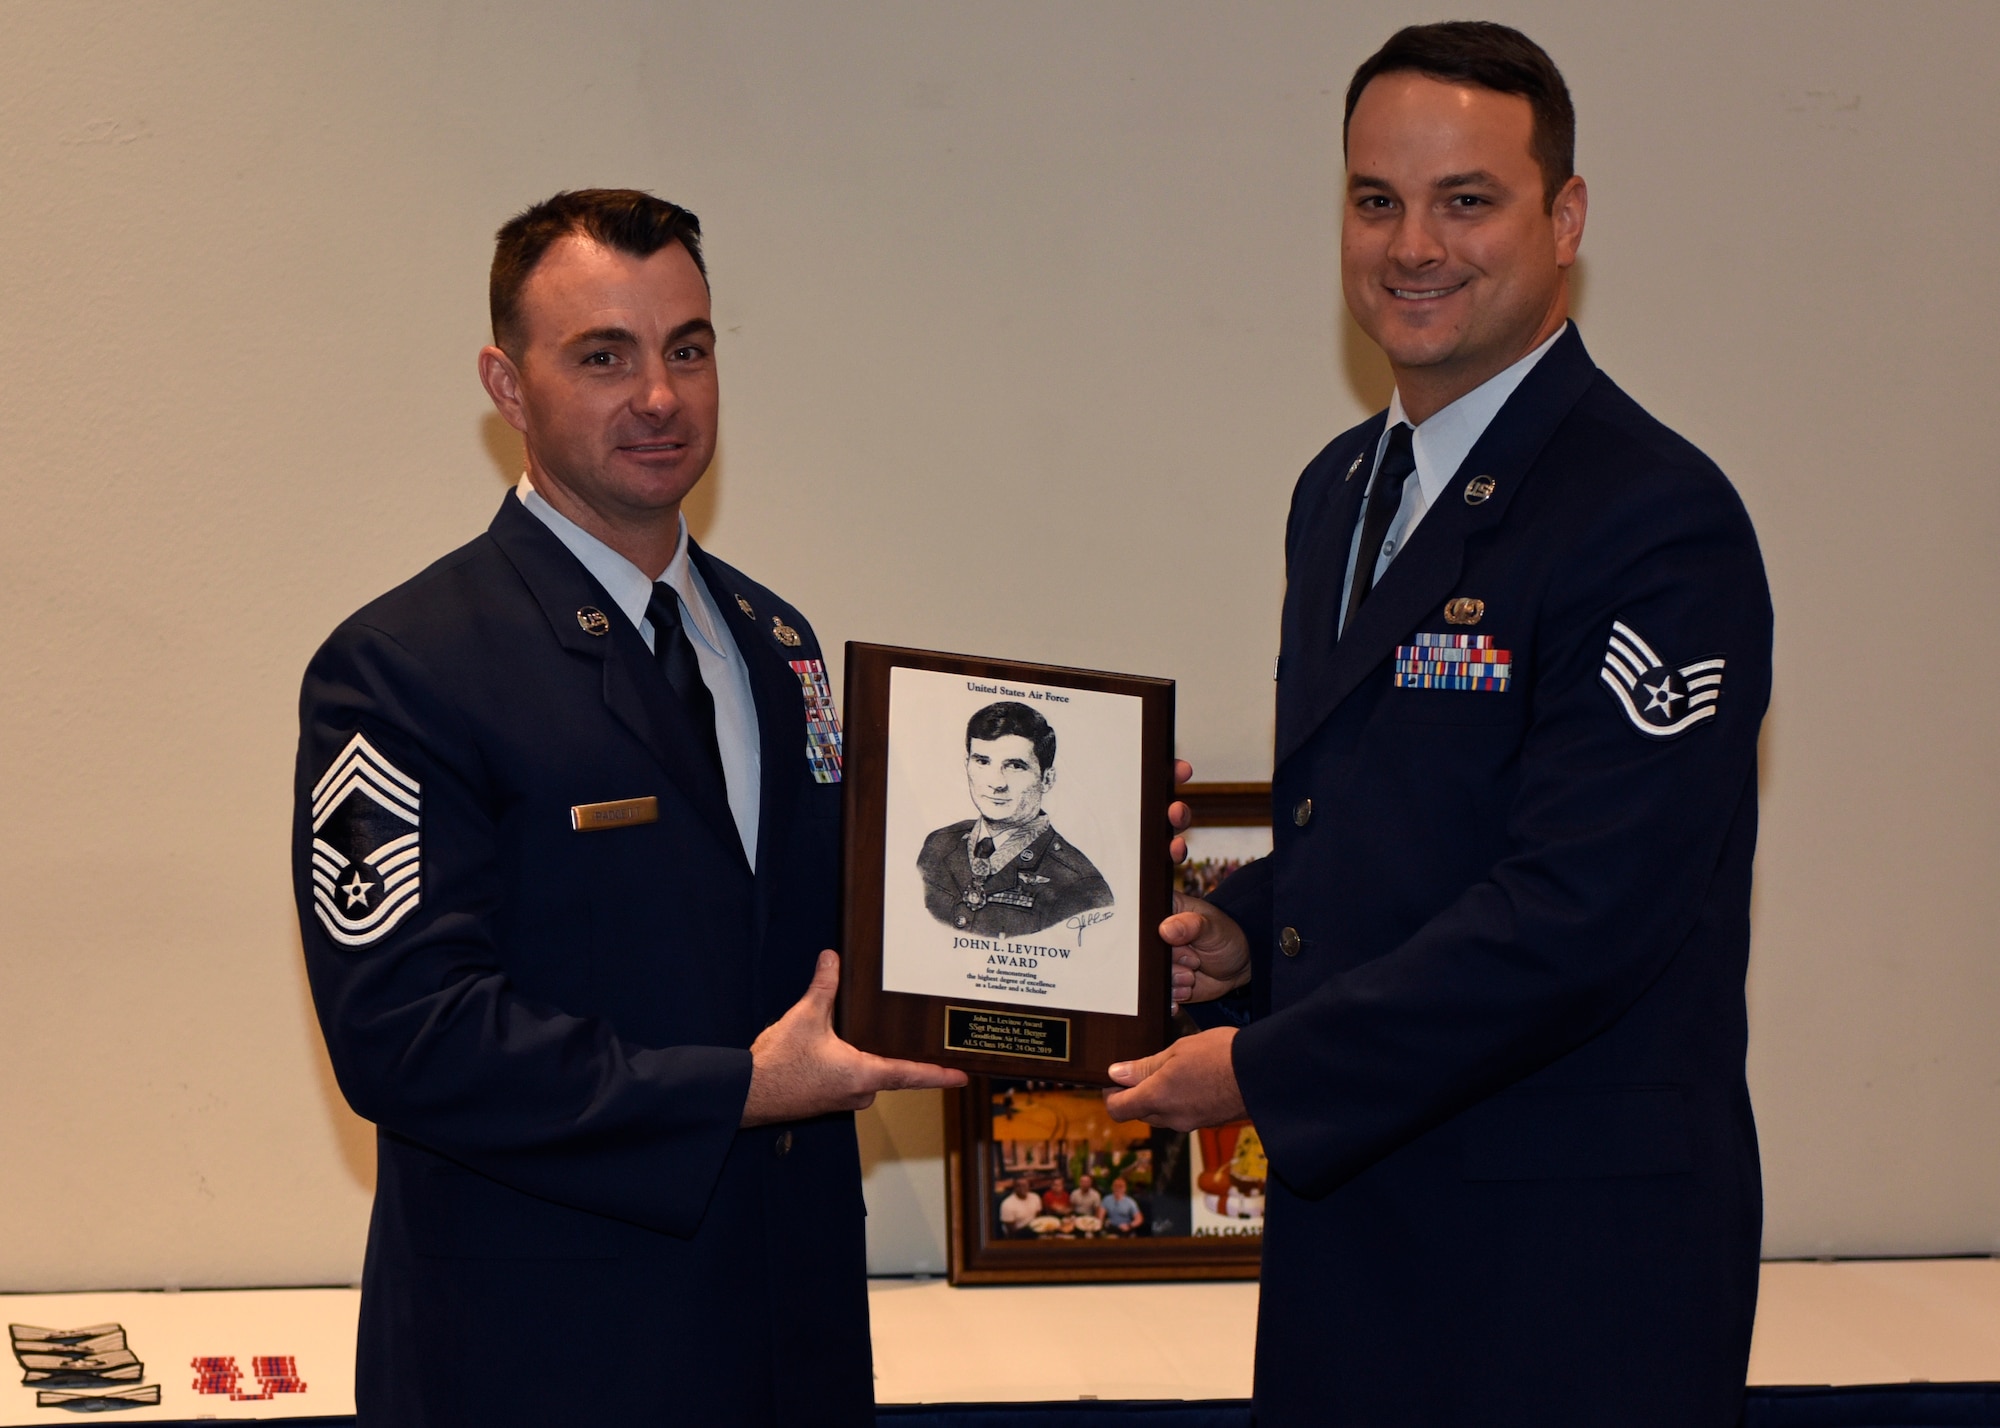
x=1660, y=702
x=365, y=850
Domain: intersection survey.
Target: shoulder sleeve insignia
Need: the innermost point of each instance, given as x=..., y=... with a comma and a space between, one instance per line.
x=1661, y=702
x=366, y=861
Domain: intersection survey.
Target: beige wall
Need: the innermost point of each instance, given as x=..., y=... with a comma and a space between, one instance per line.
x=994, y=279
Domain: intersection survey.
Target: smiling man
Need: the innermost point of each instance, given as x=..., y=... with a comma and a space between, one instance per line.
x=1007, y=872
x=1484, y=1000
x=566, y=857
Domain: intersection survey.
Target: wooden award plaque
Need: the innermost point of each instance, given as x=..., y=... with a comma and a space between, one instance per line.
x=1006, y=863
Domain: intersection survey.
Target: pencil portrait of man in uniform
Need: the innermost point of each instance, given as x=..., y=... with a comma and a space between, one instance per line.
x=1007, y=872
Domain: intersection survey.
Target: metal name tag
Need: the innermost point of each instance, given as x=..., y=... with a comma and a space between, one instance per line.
x=621, y=813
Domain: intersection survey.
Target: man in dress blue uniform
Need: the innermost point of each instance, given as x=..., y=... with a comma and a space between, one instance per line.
x=1487, y=991
x=566, y=853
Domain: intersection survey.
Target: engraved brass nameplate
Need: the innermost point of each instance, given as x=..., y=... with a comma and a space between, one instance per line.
x=998, y=1033
x=621, y=813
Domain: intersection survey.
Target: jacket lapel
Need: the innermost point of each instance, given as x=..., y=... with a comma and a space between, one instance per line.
x=781, y=718
x=1419, y=578
x=633, y=689
x=1313, y=595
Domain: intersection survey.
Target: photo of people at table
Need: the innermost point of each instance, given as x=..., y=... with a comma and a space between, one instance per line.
x=1064, y=1170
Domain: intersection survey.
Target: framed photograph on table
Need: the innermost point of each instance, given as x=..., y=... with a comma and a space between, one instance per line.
x=1006, y=863
x=1044, y=1187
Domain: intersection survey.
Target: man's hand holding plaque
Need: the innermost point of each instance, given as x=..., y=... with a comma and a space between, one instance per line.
x=800, y=1068
x=1192, y=1083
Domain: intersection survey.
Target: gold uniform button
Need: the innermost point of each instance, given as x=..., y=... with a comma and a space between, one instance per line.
x=783, y=1144
x=1288, y=942
x=1302, y=812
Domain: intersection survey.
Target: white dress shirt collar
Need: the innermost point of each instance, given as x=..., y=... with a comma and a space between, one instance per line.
x=626, y=584
x=1440, y=446
x=1447, y=437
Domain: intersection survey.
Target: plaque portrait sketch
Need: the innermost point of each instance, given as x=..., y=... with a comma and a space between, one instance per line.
x=1005, y=874
x=1006, y=871
x=993, y=900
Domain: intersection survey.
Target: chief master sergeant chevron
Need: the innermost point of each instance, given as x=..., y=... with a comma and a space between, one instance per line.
x=1493, y=1026
x=568, y=814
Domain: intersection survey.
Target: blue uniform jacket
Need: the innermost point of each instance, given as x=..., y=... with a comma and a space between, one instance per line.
x=550, y=1029
x=1497, y=1035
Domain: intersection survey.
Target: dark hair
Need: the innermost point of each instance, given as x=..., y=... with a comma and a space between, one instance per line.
x=997, y=721
x=621, y=218
x=1492, y=57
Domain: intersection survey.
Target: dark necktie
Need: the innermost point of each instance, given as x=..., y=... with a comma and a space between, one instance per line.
x=1384, y=497
x=675, y=655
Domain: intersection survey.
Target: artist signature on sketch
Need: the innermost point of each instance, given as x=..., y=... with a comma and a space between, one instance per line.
x=1088, y=919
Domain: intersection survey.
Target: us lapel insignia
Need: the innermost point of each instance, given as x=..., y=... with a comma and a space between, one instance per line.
x=1464, y=611
x=744, y=606
x=592, y=620
x=1352, y=470
x=366, y=864
x=1478, y=489
x=1660, y=702
x=786, y=635
x=822, y=720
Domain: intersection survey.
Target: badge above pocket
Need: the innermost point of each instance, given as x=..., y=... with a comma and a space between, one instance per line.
x=822, y=721
x=1467, y=662
x=1453, y=679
